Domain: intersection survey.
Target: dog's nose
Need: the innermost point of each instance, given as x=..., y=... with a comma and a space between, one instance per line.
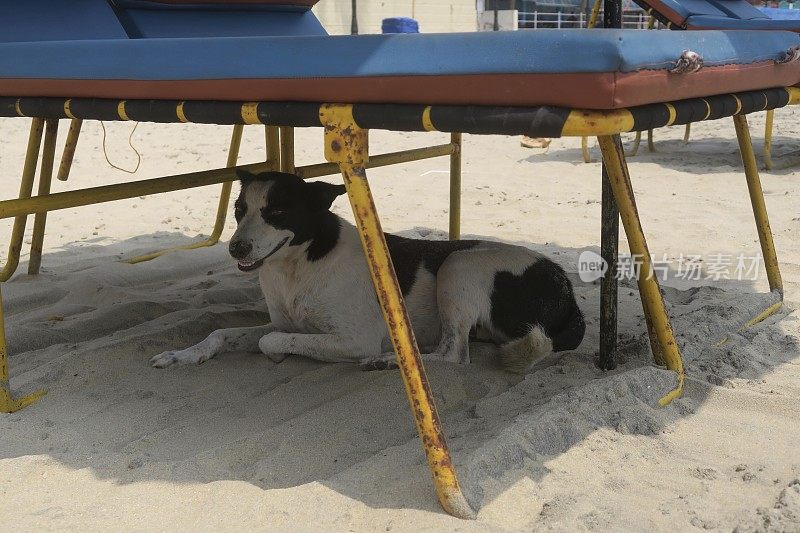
x=240, y=249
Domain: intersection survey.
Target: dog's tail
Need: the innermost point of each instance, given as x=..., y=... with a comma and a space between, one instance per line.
x=517, y=355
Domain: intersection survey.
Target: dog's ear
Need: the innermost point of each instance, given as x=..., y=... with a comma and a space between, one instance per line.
x=245, y=176
x=320, y=195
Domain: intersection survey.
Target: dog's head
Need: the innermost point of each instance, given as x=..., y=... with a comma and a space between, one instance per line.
x=277, y=212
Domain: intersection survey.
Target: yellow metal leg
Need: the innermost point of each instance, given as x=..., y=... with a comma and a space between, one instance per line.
x=757, y=201
x=9, y=404
x=69, y=149
x=652, y=301
x=222, y=206
x=287, y=149
x=346, y=144
x=595, y=11
x=687, y=132
x=273, y=146
x=587, y=157
x=45, y=180
x=637, y=141
x=651, y=145
x=455, y=187
x=770, y=121
x=25, y=190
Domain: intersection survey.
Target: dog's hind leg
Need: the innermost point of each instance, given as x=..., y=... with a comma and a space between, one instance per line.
x=222, y=340
x=459, y=299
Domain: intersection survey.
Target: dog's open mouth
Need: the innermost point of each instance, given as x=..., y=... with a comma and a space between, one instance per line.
x=244, y=266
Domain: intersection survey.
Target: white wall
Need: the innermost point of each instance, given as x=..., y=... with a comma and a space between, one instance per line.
x=433, y=15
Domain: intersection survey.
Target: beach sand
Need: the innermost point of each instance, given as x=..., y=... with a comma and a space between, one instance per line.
x=240, y=443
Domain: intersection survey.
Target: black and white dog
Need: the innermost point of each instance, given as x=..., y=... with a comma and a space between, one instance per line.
x=322, y=304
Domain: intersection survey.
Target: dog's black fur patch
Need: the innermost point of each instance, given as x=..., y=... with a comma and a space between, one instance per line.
x=407, y=255
x=300, y=207
x=541, y=295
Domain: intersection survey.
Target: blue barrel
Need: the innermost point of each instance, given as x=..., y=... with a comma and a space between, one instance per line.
x=400, y=25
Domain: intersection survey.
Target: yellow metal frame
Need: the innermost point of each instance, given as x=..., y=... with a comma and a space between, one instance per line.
x=346, y=150
x=70, y=146
x=45, y=180
x=25, y=191
x=768, y=125
x=9, y=404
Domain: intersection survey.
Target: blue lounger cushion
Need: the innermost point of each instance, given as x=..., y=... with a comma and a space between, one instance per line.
x=715, y=15
x=599, y=69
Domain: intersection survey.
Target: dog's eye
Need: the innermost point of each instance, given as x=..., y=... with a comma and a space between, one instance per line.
x=275, y=212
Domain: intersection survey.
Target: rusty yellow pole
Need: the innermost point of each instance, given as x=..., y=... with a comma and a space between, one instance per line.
x=587, y=157
x=346, y=144
x=595, y=11
x=757, y=201
x=287, y=149
x=652, y=300
x=222, y=206
x=122, y=191
x=770, y=120
x=8, y=404
x=455, y=187
x=380, y=160
x=69, y=149
x=45, y=180
x=25, y=190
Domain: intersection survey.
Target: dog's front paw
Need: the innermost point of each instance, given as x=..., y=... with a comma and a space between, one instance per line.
x=176, y=358
x=274, y=346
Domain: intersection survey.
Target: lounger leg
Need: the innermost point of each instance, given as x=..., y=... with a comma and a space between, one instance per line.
x=636, y=142
x=8, y=404
x=455, y=187
x=651, y=145
x=770, y=120
x=287, y=149
x=45, y=180
x=346, y=144
x=272, y=138
x=25, y=190
x=222, y=207
x=609, y=246
x=587, y=157
x=69, y=149
x=652, y=300
x=687, y=132
x=760, y=214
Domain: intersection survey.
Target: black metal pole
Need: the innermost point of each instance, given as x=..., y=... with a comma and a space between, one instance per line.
x=354, y=18
x=609, y=238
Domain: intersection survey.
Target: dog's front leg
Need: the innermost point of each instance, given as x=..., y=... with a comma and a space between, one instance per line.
x=222, y=340
x=322, y=347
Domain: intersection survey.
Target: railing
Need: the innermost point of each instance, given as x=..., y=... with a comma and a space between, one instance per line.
x=536, y=19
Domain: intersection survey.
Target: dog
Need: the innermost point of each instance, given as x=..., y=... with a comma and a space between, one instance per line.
x=322, y=304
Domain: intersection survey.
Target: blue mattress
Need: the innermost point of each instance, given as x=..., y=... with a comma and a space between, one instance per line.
x=600, y=69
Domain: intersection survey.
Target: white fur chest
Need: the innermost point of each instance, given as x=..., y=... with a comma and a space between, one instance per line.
x=293, y=298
